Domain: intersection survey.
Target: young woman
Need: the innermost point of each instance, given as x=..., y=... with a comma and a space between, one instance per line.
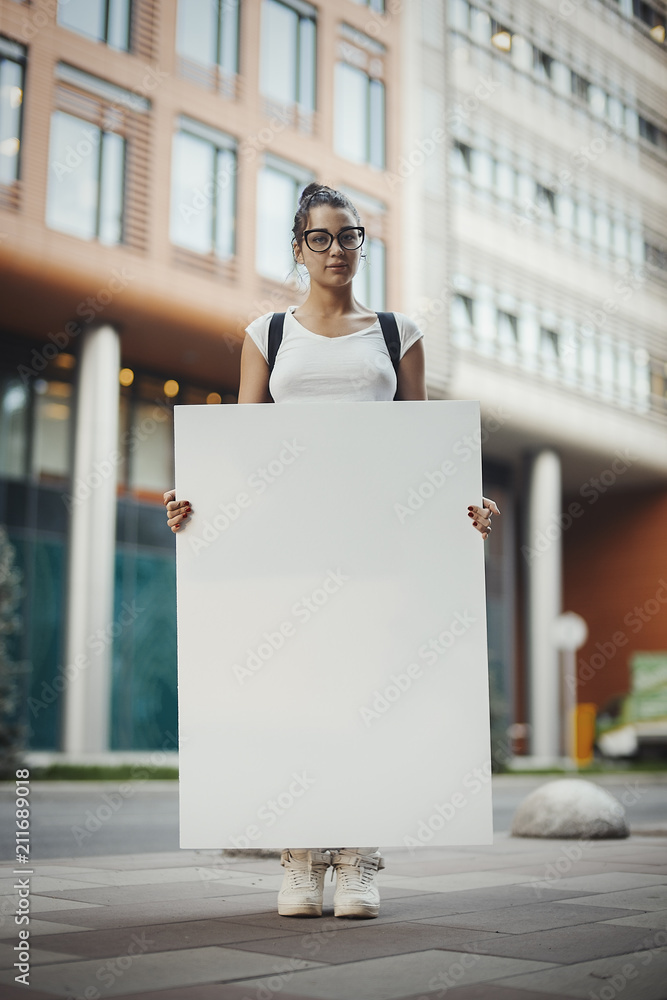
x=332, y=349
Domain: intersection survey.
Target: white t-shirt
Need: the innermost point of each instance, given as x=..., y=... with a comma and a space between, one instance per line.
x=309, y=366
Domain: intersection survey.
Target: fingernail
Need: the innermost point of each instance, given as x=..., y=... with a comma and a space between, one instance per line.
x=474, y=524
x=469, y=508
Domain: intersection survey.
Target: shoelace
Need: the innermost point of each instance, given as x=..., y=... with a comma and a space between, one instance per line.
x=300, y=877
x=364, y=873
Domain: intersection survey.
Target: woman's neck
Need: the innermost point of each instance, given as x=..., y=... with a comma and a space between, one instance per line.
x=330, y=302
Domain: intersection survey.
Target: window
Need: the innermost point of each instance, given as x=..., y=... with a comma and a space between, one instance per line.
x=461, y=159
x=651, y=17
x=104, y=20
x=360, y=99
x=203, y=189
x=377, y=5
x=579, y=86
x=549, y=343
x=86, y=180
x=505, y=180
x=287, y=63
x=12, y=75
x=652, y=133
x=50, y=457
x=369, y=281
x=655, y=256
x=207, y=43
x=542, y=64
x=546, y=198
x=15, y=408
x=508, y=328
x=278, y=188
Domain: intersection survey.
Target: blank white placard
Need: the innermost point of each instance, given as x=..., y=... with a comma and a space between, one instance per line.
x=332, y=658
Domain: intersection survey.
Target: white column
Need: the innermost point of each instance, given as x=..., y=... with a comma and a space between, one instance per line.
x=543, y=555
x=92, y=502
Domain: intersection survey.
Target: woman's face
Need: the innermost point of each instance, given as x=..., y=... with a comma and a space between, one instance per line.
x=333, y=267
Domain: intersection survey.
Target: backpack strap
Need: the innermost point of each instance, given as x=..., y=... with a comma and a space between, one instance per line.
x=392, y=338
x=276, y=326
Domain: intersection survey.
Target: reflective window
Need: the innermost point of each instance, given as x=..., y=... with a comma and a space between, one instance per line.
x=369, y=281
x=508, y=327
x=15, y=404
x=207, y=32
x=12, y=74
x=50, y=457
x=86, y=180
x=287, y=60
x=278, y=189
x=203, y=190
x=104, y=20
x=360, y=99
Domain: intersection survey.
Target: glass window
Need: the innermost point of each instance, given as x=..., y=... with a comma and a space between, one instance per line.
x=460, y=160
x=508, y=328
x=15, y=402
x=602, y=230
x=482, y=168
x=369, y=281
x=580, y=86
x=12, y=73
x=85, y=184
x=360, y=112
x=151, y=447
x=278, y=190
x=542, y=64
x=203, y=190
x=546, y=198
x=597, y=100
x=584, y=221
x=459, y=14
x=104, y=20
x=51, y=434
x=287, y=63
x=505, y=180
x=620, y=239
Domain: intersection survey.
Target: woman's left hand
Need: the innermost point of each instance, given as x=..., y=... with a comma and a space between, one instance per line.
x=481, y=516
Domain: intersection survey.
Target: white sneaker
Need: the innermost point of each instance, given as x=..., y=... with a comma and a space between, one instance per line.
x=301, y=892
x=356, y=893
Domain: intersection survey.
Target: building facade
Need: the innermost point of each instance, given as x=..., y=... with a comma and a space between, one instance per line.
x=509, y=162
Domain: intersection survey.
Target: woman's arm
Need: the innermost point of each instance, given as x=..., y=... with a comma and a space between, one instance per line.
x=411, y=373
x=254, y=385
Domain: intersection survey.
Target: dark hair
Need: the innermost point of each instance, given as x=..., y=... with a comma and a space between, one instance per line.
x=318, y=194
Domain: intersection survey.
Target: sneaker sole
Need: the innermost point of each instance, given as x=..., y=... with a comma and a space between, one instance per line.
x=299, y=910
x=356, y=911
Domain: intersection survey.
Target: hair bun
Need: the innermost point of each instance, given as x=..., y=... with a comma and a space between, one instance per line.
x=310, y=190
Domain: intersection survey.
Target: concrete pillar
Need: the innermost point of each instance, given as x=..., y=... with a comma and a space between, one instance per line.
x=543, y=555
x=92, y=538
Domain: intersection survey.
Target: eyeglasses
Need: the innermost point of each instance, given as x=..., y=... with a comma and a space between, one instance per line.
x=349, y=238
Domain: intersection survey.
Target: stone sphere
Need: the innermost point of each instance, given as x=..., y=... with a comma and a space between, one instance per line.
x=570, y=808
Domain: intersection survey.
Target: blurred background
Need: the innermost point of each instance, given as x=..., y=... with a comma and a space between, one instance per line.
x=509, y=162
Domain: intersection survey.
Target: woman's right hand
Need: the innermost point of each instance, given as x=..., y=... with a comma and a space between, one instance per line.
x=177, y=510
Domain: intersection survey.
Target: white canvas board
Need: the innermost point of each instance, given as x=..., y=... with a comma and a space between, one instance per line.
x=332, y=657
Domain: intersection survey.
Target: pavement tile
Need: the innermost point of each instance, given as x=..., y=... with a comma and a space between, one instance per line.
x=624, y=976
x=650, y=897
x=503, y=896
x=38, y=956
x=163, y=937
x=151, y=971
x=567, y=945
x=611, y=881
x=12, y=992
x=397, y=975
x=456, y=881
x=654, y=918
x=47, y=884
x=49, y=904
x=211, y=991
x=487, y=991
x=523, y=919
x=327, y=941
x=37, y=928
x=196, y=874
x=112, y=895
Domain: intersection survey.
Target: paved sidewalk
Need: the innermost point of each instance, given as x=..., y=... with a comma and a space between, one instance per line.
x=521, y=920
